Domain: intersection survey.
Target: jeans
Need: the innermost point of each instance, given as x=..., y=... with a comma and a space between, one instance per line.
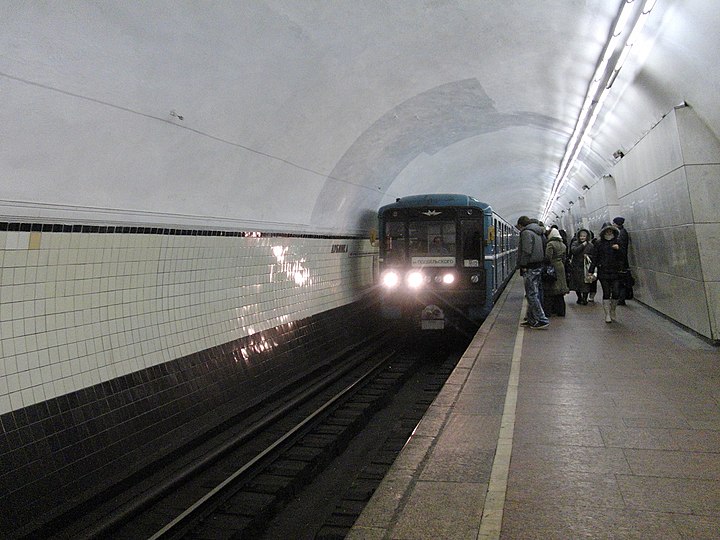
x=533, y=284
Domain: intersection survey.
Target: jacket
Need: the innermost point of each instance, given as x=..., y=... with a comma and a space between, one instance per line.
x=531, y=251
x=609, y=262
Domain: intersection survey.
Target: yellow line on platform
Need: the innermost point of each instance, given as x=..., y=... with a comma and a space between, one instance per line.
x=491, y=523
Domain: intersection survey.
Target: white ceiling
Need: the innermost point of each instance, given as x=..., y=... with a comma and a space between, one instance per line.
x=308, y=115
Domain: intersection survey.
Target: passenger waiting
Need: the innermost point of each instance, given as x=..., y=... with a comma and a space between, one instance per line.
x=554, y=293
x=580, y=246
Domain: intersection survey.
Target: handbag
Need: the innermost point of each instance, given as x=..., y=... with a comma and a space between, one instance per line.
x=589, y=278
x=549, y=273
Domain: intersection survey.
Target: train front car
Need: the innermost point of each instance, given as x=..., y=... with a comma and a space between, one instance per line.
x=432, y=260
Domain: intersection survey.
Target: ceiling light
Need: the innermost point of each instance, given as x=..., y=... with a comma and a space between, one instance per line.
x=597, y=93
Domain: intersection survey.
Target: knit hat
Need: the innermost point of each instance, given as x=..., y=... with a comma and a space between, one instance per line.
x=619, y=220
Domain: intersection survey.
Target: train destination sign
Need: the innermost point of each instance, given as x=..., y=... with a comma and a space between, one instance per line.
x=433, y=261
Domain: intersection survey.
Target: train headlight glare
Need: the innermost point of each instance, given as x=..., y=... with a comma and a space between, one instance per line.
x=390, y=279
x=475, y=278
x=448, y=279
x=415, y=280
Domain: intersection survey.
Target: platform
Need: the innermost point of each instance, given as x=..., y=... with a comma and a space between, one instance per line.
x=582, y=430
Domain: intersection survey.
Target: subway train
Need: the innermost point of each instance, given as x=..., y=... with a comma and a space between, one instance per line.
x=444, y=260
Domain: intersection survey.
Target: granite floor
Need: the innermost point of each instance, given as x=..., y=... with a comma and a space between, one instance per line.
x=583, y=430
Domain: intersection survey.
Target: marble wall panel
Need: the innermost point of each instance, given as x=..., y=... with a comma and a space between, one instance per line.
x=662, y=203
x=671, y=251
x=704, y=187
x=654, y=157
x=698, y=143
x=708, y=238
x=713, y=298
x=679, y=298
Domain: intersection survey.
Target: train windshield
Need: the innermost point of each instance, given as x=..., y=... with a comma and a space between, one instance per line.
x=428, y=238
x=395, y=242
x=472, y=239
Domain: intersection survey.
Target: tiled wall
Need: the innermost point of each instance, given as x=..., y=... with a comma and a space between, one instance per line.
x=115, y=342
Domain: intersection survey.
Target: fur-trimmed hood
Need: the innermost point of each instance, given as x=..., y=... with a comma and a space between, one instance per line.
x=609, y=226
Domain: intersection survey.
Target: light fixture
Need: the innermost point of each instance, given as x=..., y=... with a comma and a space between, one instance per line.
x=600, y=85
x=391, y=279
x=415, y=280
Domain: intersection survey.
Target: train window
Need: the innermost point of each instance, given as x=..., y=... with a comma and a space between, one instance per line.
x=472, y=239
x=431, y=238
x=394, y=241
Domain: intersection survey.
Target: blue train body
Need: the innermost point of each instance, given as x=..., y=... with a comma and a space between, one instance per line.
x=444, y=259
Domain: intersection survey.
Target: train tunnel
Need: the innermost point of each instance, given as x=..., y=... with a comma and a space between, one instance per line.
x=190, y=191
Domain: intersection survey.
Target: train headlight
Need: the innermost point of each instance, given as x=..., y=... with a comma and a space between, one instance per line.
x=475, y=278
x=447, y=279
x=390, y=279
x=415, y=280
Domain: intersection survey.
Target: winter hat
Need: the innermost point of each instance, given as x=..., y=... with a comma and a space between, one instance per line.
x=554, y=233
x=619, y=220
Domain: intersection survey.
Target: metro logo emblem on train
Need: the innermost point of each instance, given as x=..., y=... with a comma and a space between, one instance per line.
x=431, y=213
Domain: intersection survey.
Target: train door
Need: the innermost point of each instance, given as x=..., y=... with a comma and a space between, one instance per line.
x=503, y=251
x=496, y=262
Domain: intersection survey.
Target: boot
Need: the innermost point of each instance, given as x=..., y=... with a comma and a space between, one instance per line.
x=613, y=305
x=606, y=309
x=591, y=297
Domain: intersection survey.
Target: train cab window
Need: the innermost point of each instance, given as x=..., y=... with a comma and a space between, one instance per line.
x=431, y=238
x=472, y=240
x=394, y=241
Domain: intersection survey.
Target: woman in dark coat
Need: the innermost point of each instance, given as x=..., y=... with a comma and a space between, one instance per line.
x=609, y=260
x=579, y=247
x=554, y=292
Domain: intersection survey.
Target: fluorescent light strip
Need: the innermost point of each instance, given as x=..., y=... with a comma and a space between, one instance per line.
x=588, y=113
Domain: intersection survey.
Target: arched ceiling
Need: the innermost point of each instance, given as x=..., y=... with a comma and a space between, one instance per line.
x=309, y=115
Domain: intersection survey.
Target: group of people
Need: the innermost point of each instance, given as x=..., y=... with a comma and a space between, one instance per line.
x=577, y=266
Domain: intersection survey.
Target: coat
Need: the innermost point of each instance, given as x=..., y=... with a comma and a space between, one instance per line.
x=609, y=262
x=555, y=254
x=577, y=263
x=531, y=251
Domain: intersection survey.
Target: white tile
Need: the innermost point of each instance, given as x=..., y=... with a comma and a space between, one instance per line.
x=5, y=405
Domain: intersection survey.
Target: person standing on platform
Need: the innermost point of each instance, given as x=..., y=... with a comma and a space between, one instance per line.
x=624, y=242
x=580, y=246
x=555, y=292
x=609, y=261
x=530, y=262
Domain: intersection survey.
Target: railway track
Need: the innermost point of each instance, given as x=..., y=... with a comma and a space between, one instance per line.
x=231, y=486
